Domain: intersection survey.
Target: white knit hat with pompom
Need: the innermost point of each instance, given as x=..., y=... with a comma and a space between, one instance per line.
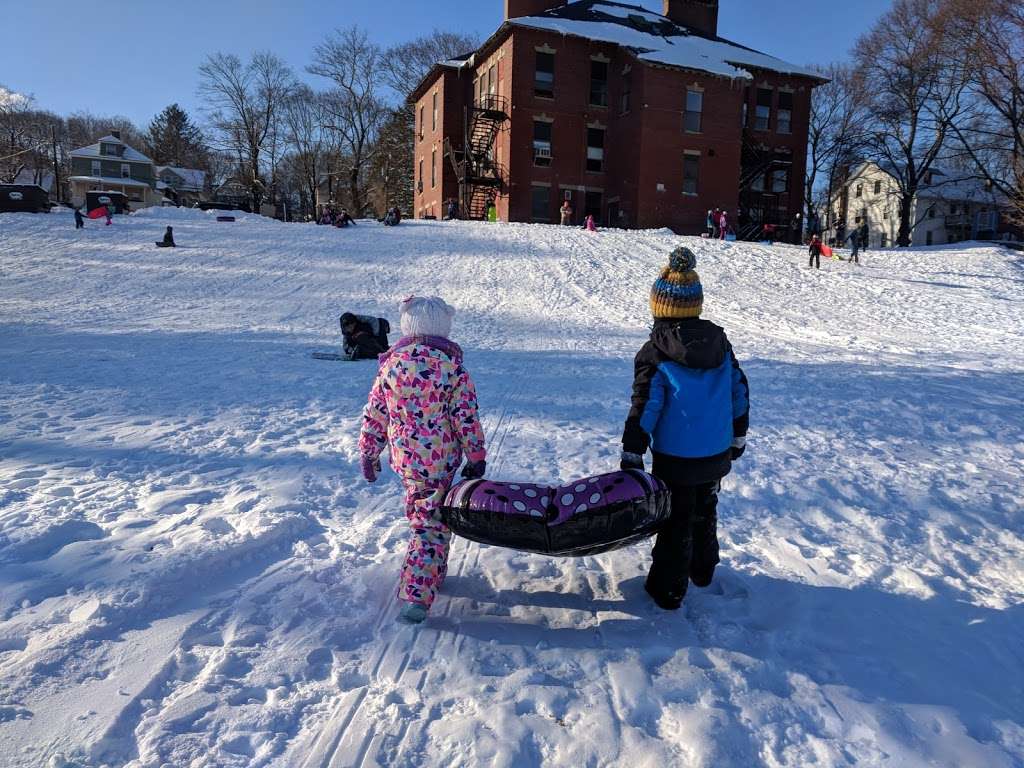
x=426, y=316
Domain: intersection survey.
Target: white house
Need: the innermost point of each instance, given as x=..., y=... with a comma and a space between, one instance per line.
x=946, y=209
x=187, y=186
x=110, y=165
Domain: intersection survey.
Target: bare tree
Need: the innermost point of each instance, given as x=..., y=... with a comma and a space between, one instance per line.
x=245, y=103
x=354, y=106
x=913, y=88
x=835, y=132
x=305, y=117
x=404, y=66
x=988, y=36
x=18, y=138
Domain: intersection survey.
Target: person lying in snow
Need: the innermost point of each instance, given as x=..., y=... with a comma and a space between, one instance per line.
x=690, y=406
x=363, y=337
x=423, y=404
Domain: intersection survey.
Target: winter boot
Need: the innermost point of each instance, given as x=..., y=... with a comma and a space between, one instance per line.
x=412, y=613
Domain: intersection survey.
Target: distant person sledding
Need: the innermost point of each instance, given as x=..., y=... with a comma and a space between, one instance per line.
x=168, y=241
x=343, y=219
x=393, y=217
x=363, y=337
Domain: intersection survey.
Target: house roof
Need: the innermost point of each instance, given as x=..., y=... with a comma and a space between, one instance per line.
x=650, y=36
x=93, y=150
x=192, y=178
x=110, y=180
x=657, y=39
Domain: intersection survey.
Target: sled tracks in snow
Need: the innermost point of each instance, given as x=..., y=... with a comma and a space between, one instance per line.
x=357, y=734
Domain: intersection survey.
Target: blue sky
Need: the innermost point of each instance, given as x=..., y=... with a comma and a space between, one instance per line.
x=136, y=58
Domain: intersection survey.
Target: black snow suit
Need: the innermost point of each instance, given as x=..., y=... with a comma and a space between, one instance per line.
x=363, y=337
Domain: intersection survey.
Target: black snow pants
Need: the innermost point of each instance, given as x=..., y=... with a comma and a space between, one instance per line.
x=687, y=548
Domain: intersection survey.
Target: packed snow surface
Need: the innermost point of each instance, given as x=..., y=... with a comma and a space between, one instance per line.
x=193, y=573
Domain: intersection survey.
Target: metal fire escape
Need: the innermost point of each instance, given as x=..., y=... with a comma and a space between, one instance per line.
x=479, y=174
x=759, y=206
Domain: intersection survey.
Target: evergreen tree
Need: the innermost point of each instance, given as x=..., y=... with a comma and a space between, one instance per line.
x=174, y=140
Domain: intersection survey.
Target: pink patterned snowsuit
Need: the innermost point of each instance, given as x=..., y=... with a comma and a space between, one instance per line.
x=423, y=403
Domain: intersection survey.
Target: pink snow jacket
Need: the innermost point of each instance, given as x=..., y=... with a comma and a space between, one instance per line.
x=423, y=403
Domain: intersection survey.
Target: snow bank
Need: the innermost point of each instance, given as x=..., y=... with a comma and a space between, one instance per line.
x=192, y=571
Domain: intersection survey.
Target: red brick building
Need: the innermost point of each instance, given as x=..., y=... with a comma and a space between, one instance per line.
x=643, y=120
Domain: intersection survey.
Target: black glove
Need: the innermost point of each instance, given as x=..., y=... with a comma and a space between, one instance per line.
x=474, y=469
x=631, y=461
x=739, y=445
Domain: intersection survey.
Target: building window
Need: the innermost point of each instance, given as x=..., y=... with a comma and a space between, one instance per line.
x=763, y=111
x=97, y=169
x=928, y=238
x=878, y=187
x=627, y=92
x=757, y=183
x=784, y=124
x=595, y=149
x=694, y=107
x=433, y=114
x=780, y=180
x=540, y=203
x=542, y=142
x=598, y=83
x=419, y=186
x=860, y=191
x=743, y=115
x=544, y=76
x=952, y=209
x=126, y=171
x=423, y=123
x=884, y=240
x=691, y=169
x=433, y=168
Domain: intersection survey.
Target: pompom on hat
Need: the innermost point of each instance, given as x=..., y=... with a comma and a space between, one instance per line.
x=677, y=293
x=426, y=316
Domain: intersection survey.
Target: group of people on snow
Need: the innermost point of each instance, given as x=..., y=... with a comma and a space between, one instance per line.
x=717, y=223
x=330, y=216
x=565, y=218
x=690, y=405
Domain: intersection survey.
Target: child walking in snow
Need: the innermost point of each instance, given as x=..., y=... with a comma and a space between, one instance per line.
x=423, y=404
x=690, y=405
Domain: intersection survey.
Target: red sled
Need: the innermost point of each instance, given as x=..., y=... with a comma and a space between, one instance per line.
x=98, y=213
x=827, y=252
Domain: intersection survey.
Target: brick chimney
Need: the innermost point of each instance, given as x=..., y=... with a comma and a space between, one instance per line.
x=699, y=15
x=515, y=8
x=116, y=134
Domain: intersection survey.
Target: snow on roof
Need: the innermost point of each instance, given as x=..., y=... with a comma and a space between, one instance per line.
x=657, y=39
x=192, y=178
x=93, y=150
x=110, y=180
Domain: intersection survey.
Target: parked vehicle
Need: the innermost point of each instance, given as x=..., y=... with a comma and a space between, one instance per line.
x=24, y=198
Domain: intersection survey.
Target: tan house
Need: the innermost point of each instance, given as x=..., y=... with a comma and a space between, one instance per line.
x=110, y=165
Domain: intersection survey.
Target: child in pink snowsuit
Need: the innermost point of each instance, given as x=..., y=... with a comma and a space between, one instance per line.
x=723, y=223
x=423, y=403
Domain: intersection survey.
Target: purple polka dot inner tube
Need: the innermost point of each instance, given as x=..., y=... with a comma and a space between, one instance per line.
x=585, y=517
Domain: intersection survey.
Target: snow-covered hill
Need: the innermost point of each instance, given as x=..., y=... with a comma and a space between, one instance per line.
x=193, y=574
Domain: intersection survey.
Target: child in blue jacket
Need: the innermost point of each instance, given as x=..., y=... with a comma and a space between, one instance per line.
x=690, y=406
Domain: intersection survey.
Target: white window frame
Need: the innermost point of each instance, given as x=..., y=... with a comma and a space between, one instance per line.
x=126, y=170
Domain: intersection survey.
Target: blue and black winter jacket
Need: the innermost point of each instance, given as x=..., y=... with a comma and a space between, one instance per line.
x=690, y=399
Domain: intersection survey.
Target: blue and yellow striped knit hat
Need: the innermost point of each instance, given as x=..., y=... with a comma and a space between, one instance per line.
x=677, y=293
